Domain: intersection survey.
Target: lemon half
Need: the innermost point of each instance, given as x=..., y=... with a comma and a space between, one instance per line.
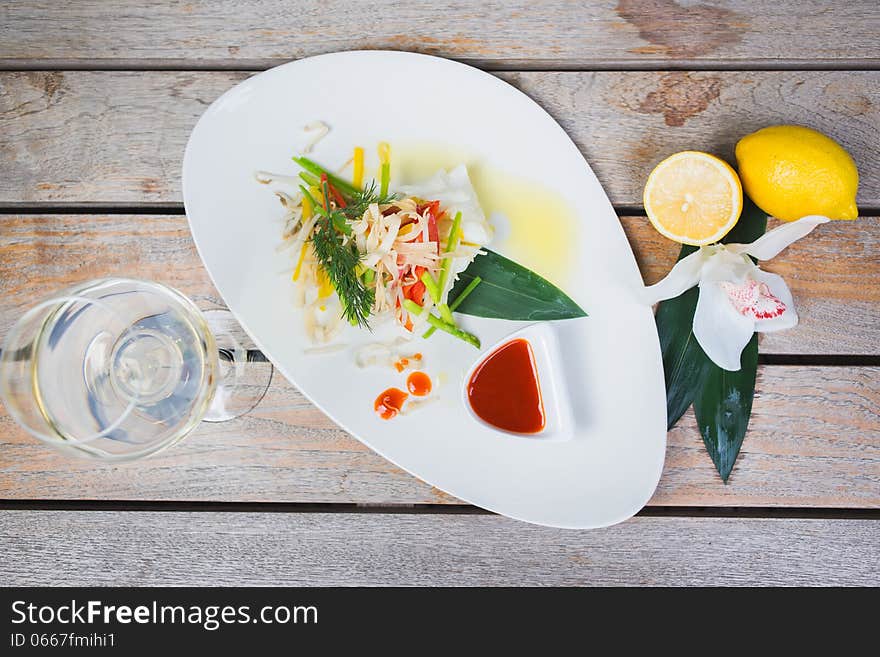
x=693, y=198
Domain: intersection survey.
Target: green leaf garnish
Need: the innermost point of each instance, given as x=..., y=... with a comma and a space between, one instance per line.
x=685, y=365
x=723, y=406
x=510, y=291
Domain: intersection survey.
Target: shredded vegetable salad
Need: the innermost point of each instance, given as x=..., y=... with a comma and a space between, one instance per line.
x=363, y=252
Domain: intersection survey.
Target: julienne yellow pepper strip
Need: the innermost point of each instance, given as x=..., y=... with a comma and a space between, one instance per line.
x=306, y=215
x=307, y=208
x=299, y=263
x=357, y=177
x=385, y=169
x=325, y=285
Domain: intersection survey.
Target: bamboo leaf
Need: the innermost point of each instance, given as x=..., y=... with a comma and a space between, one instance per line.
x=685, y=365
x=723, y=406
x=510, y=291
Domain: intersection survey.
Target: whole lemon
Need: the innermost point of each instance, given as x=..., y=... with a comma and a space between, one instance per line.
x=790, y=171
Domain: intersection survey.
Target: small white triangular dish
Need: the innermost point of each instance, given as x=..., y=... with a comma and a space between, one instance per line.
x=551, y=380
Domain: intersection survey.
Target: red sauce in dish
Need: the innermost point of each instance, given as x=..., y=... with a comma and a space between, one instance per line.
x=504, y=389
x=419, y=384
x=389, y=403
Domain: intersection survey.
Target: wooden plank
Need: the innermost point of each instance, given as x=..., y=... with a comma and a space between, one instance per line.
x=508, y=33
x=41, y=254
x=834, y=273
x=814, y=441
x=131, y=128
x=94, y=548
x=797, y=453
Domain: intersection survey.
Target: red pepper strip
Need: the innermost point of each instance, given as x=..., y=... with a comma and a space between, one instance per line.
x=433, y=206
x=416, y=292
x=418, y=270
x=433, y=231
x=340, y=202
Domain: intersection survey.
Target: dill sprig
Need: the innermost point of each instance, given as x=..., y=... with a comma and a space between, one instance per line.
x=338, y=258
x=360, y=202
x=339, y=261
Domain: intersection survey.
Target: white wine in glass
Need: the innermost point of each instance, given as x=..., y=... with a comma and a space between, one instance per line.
x=119, y=369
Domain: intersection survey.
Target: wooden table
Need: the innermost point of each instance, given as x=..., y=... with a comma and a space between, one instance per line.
x=96, y=103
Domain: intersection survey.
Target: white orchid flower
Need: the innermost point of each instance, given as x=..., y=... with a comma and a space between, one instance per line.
x=737, y=297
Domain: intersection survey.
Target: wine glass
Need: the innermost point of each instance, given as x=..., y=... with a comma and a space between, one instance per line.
x=119, y=369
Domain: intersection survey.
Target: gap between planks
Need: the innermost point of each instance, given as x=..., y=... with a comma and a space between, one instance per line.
x=490, y=66
x=31, y=207
x=417, y=509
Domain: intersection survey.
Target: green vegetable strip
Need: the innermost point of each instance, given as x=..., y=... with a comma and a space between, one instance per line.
x=445, y=313
x=436, y=322
x=310, y=180
x=434, y=292
x=316, y=207
x=451, y=245
x=431, y=286
x=455, y=304
x=384, y=178
x=465, y=292
x=341, y=184
x=369, y=276
x=446, y=265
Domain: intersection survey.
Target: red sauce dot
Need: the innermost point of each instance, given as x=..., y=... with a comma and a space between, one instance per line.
x=419, y=384
x=389, y=403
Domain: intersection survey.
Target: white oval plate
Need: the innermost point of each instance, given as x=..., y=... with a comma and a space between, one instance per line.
x=612, y=368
